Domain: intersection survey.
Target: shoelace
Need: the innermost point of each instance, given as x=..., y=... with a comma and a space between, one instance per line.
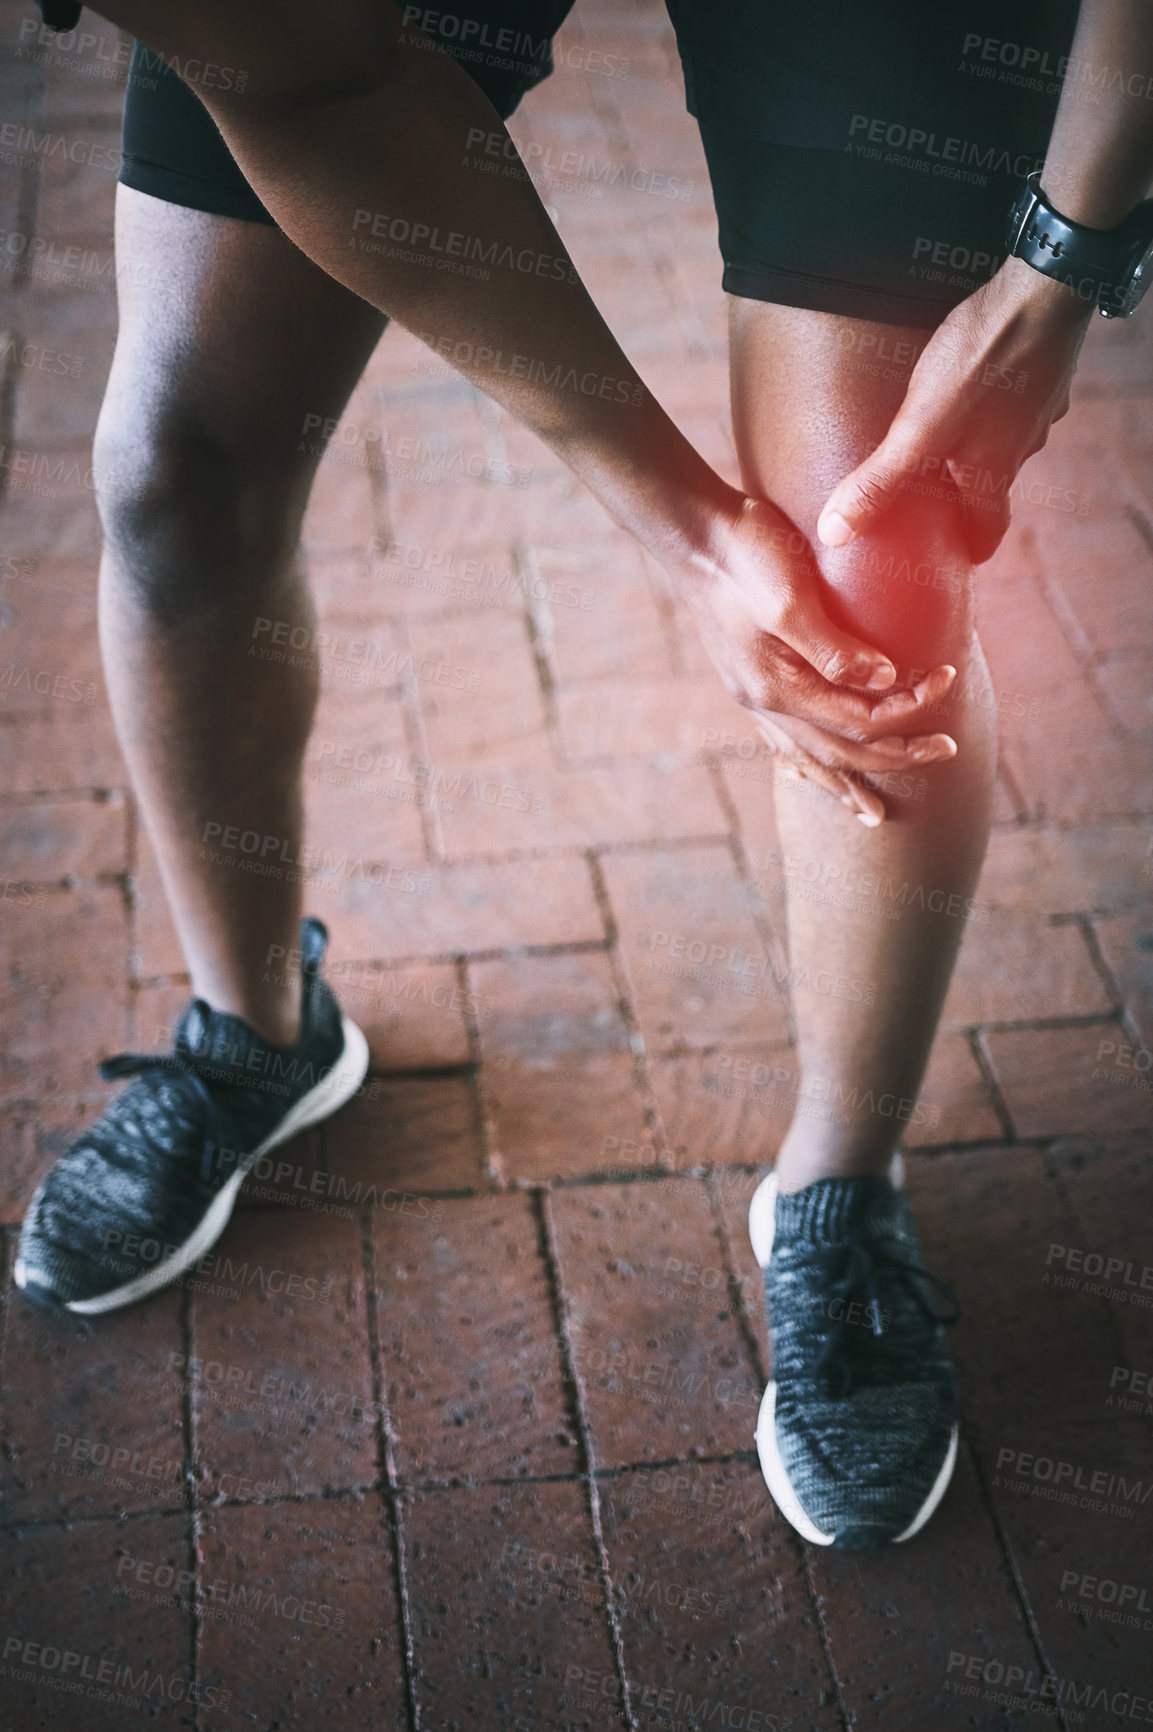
x=186, y=1071
x=866, y=1261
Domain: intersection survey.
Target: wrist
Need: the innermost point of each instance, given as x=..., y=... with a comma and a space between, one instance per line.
x=685, y=515
x=1094, y=201
x=1046, y=299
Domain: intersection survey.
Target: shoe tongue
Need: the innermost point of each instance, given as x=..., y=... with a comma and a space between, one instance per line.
x=214, y=1037
x=826, y=1212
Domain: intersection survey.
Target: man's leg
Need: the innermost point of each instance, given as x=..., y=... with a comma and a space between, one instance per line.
x=857, y=1432
x=803, y=416
x=229, y=338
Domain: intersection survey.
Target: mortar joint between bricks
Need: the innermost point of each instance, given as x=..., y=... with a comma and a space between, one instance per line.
x=642, y=1072
x=737, y=1304
x=969, y=1452
x=388, y=1480
x=1111, y=984
x=983, y=1060
x=584, y=1443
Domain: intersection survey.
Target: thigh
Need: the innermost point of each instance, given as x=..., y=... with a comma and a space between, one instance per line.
x=232, y=344
x=813, y=393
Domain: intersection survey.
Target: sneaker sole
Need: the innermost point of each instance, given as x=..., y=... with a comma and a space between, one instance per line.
x=319, y=1103
x=762, y=1223
x=784, y=1495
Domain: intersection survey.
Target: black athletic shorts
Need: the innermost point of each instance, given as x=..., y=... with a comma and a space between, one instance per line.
x=863, y=153
x=173, y=149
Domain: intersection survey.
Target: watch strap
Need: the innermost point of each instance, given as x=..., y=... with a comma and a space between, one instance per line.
x=1099, y=264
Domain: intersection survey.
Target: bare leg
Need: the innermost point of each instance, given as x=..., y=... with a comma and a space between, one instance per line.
x=803, y=417
x=229, y=336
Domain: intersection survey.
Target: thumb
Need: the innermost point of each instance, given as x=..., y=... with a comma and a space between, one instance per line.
x=865, y=494
x=838, y=656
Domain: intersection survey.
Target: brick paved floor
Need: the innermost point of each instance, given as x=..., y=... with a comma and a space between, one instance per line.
x=479, y=1452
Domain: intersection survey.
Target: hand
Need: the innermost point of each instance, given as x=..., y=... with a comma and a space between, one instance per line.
x=826, y=701
x=988, y=386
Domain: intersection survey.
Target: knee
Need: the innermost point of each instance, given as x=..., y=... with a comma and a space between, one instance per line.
x=192, y=522
x=908, y=585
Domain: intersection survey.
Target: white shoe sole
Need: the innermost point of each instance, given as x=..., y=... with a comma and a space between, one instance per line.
x=762, y=1224
x=337, y=1087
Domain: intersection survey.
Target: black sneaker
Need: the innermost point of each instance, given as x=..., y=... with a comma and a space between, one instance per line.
x=148, y=1189
x=857, y=1432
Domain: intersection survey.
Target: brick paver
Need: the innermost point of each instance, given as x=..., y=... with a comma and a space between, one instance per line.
x=455, y=1426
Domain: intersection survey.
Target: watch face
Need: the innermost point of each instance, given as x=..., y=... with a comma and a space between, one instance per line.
x=1129, y=296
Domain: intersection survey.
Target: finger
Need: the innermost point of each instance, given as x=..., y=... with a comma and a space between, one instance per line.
x=859, y=757
x=852, y=716
x=896, y=749
x=868, y=491
x=840, y=658
x=866, y=806
x=912, y=704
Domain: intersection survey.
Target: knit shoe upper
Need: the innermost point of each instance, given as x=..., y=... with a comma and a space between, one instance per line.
x=149, y=1186
x=859, y=1427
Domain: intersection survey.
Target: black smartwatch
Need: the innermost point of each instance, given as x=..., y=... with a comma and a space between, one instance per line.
x=1110, y=267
